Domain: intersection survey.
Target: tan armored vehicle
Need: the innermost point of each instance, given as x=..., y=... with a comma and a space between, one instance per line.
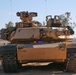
x=32, y=42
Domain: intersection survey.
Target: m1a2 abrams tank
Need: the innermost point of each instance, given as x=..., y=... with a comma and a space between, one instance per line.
x=32, y=42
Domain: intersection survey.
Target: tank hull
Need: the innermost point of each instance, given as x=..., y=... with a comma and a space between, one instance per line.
x=41, y=53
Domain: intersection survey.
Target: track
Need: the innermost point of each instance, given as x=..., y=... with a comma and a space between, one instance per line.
x=71, y=62
x=9, y=63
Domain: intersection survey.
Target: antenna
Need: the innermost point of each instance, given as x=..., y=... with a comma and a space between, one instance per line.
x=46, y=7
x=11, y=9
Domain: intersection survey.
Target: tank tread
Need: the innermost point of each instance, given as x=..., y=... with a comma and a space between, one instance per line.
x=9, y=63
x=5, y=64
x=71, y=62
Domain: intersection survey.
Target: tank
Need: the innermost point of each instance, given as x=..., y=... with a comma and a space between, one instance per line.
x=30, y=41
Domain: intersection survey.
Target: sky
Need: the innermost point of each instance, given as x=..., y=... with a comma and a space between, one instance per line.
x=9, y=8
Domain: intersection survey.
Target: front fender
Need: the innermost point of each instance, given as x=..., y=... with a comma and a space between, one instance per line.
x=8, y=49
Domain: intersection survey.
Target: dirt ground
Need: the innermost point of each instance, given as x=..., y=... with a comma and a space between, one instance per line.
x=50, y=69
x=2, y=42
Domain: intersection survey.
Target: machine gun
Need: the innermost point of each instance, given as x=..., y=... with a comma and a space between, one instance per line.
x=26, y=16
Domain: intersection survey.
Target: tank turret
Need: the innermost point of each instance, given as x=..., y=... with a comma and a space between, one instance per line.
x=29, y=30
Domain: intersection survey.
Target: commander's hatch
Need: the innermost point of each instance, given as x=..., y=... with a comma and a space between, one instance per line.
x=53, y=21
